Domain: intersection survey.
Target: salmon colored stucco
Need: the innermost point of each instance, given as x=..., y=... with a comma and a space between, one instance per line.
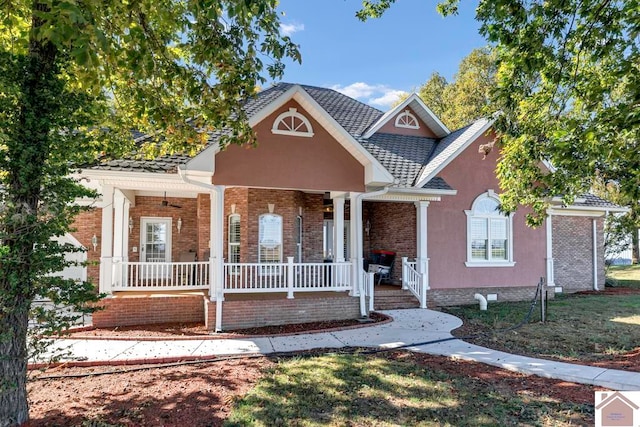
x=290, y=162
x=447, y=230
x=390, y=127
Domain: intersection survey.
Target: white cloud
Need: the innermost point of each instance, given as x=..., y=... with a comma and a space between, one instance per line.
x=380, y=95
x=388, y=98
x=289, y=29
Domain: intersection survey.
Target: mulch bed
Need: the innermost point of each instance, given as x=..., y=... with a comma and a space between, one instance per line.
x=198, y=330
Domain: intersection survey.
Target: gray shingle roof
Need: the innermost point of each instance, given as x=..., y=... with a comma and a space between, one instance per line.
x=594, y=201
x=403, y=156
x=449, y=145
x=437, y=183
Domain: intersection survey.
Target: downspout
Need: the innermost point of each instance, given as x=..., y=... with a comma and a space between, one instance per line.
x=359, y=242
x=595, y=255
x=215, y=275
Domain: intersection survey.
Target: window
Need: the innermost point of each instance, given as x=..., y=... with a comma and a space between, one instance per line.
x=292, y=123
x=270, y=239
x=489, y=237
x=234, y=238
x=298, y=235
x=407, y=120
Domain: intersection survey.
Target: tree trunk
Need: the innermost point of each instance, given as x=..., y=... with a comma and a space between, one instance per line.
x=27, y=150
x=14, y=409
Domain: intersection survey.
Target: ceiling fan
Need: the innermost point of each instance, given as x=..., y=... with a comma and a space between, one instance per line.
x=166, y=203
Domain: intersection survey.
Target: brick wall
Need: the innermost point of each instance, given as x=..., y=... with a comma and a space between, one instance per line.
x=251, y=203
x=393, y=228
x=464, y=296
x=573, y=252
x=185, y=241
x=86, y=225
x=247, y=314
x=149, y=310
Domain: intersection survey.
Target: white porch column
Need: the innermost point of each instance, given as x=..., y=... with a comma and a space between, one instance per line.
x=338, y=229
x=421, y=237
x=106, y=243
x=118, y=236
x=549, y=232
x=216, y=244
x=355, y=230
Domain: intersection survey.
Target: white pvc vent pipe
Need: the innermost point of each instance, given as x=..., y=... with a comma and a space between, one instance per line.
x=482, y=300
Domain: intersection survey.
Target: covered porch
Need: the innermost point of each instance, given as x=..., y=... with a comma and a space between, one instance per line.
x=228, y=241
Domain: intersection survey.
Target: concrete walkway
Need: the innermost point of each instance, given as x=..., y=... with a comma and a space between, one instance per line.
x=409, y=327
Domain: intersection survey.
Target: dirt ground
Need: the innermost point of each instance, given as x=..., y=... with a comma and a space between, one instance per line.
x=203, y=394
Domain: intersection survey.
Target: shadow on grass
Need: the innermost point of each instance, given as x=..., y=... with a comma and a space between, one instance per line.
x=374, y=390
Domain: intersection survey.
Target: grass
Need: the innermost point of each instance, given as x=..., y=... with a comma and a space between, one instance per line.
x=359, y=390
x=624, y=275
x=585, y=327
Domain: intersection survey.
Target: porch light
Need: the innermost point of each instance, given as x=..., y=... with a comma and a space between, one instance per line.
x=130, y=225
x=367, y=227
x=179, y=224
x=94, y=242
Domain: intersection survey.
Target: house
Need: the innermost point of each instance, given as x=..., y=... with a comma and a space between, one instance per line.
x=281, y=233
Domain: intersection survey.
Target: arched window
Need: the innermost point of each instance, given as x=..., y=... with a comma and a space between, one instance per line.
x=407, y=120
x=292, y=123
x=234, y=238
x=270, y=238
x=489, y=233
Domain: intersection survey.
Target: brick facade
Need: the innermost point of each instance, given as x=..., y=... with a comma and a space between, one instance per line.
x=464, y=296
x=86, y=225
x=393, y=228
x=573, y=252
x=247, y=314
x=145, y=310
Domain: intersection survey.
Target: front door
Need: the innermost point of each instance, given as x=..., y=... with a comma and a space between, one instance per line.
x=155, y=240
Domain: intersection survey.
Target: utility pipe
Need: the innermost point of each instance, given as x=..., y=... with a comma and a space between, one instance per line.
x=482, y=300
x=595, y=255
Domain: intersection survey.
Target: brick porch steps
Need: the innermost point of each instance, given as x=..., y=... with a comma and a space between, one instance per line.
x=387, y=298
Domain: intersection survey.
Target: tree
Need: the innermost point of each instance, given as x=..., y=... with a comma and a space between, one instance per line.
x=468, y=96
x=569, y=92
x=75, y=77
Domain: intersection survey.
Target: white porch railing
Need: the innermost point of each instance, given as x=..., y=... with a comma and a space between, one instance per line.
x=159, y=276
x=417, y=283
x=287, y=277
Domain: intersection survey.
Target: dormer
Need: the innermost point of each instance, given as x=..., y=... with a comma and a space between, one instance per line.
x=411, y=117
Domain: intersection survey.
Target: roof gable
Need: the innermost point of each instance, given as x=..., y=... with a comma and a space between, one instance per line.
x=422, y=111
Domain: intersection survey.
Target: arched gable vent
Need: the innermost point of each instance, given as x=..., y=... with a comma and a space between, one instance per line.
x=292, y=123
x=407, y=120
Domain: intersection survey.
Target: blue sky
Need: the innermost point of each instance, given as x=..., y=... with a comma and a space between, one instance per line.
x=376, y=60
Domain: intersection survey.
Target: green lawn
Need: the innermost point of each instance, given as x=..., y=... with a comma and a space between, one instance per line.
x=584, y=327
x=383, y=390
x=624, y=275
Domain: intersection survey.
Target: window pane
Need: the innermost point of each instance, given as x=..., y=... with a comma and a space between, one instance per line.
x=498, y=228
x=270, y=238
x=234, y=229
x=499, y=249
x=478, y=229
x=479, y=249
x=486, y=206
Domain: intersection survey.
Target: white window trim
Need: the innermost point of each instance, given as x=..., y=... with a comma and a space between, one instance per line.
x=509, y=262
x=407, y=113
x=292, y=113
x=143, y=238
x=229, y=244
